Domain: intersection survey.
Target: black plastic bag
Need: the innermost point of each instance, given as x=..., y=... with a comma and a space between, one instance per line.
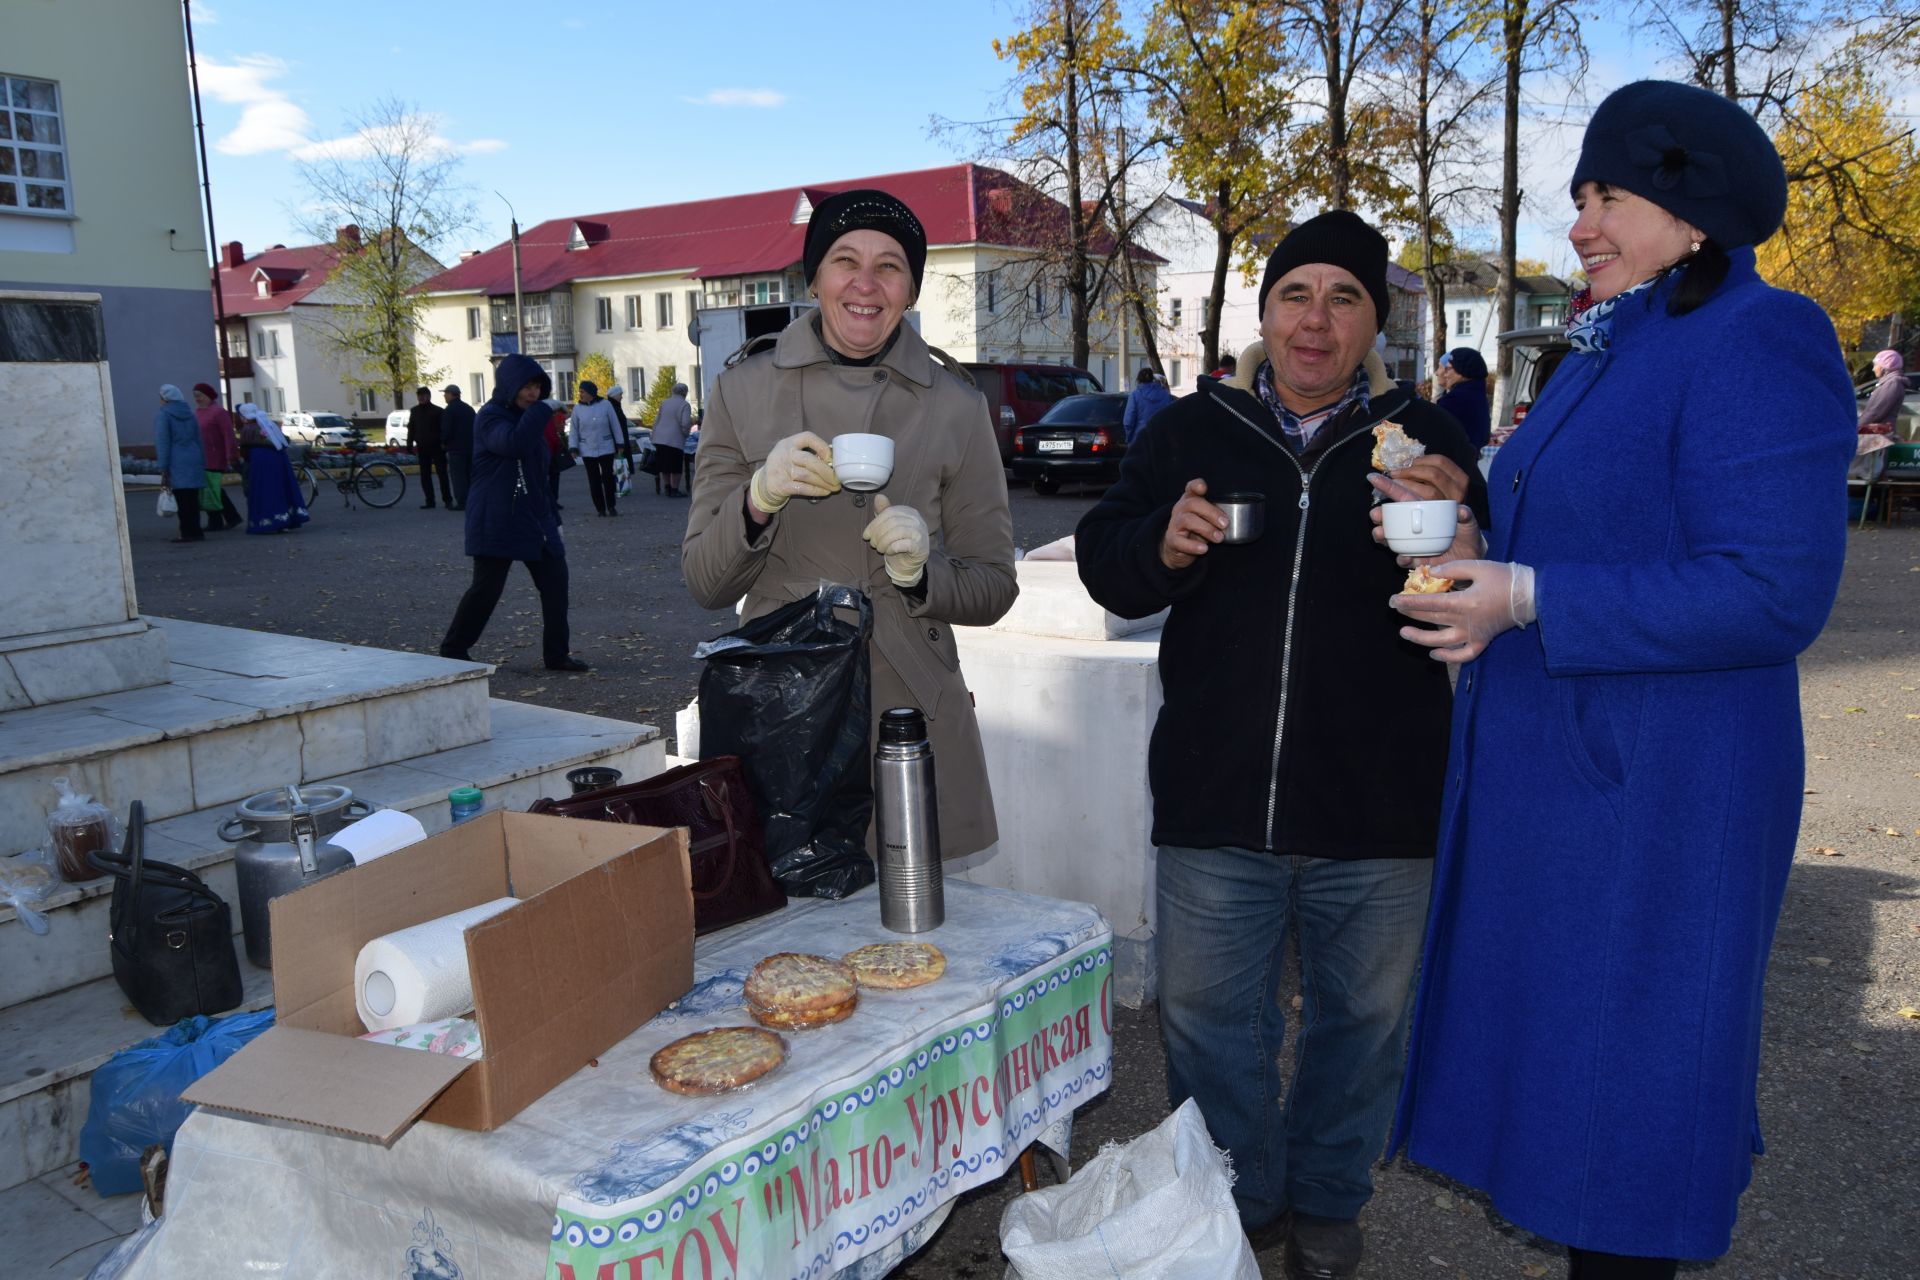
x=789, y=694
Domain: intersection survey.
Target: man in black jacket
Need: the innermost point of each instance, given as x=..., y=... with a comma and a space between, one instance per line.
x=456, y=438
x=423, y=435
x=1298, y=759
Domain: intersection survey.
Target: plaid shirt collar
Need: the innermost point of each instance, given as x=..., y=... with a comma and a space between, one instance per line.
x=1299, y=429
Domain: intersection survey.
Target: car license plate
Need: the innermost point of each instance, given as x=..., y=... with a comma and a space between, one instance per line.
x=1056, y=446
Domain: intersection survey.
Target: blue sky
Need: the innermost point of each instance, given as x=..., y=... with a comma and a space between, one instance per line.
x=584, y=107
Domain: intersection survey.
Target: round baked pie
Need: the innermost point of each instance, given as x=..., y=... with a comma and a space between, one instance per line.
x=795, y=992
x=1421, y=583
x=895, y=966
x=717, y=1060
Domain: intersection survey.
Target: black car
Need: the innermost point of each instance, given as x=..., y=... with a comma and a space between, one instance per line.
x=1079, y=438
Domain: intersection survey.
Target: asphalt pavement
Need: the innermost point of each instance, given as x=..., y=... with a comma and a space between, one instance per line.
x=1837, y=1195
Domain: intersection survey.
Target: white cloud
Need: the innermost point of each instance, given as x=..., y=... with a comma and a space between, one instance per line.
x=204, y=16
x=740, y=98
x=354, y=145
x=269, y=119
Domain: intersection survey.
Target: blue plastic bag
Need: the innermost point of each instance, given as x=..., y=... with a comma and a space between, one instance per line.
x=136, y=1093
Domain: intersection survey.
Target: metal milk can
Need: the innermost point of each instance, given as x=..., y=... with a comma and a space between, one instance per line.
x=280, y=844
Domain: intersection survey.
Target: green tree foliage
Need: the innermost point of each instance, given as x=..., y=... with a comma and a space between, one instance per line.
x=598, y=370
x=394, y=180
x=663, y=379
x=1213, y=70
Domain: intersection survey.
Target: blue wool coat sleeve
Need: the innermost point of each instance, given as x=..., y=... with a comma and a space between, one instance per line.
x=1737, y=588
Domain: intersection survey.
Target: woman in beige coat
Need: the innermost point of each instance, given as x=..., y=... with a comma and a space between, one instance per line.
x=933, y=549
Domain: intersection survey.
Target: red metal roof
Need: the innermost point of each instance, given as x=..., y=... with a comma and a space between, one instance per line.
x=294, y=273
x=754, y=234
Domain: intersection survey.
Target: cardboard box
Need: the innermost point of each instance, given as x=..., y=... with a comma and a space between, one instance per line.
x=601, y=941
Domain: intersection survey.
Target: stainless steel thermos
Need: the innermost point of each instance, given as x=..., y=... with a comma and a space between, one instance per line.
x=912, y=898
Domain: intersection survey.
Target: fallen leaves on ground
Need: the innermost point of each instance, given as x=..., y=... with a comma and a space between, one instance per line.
x=1827, y=851
x=1909, y=1012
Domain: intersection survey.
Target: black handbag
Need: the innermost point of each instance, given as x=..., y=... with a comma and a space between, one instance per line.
x=171, y=936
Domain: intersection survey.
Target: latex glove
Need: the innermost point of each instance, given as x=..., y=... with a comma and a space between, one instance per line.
x=800, y=466
x=1498, y=596
x=1468, y=543
x=900, y=535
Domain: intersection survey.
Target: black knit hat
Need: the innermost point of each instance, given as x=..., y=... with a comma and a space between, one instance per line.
x=864, y=210
x=1468, y=363
x=1341, y=238
x=1695, y=154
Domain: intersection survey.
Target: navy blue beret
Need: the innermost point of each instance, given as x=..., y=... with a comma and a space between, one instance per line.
x=1697, y=155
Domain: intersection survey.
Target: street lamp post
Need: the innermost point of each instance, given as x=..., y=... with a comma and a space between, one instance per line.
x=519, y=312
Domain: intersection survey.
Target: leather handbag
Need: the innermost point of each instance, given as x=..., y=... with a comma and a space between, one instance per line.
x=171, y=935
x=731, y=881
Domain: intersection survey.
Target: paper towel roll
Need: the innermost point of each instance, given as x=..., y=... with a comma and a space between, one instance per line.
x=419, y=974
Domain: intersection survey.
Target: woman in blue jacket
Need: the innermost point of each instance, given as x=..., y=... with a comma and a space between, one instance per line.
x=1463, y=393
x=1626, y=765
x=182, y=459
x=511, y=515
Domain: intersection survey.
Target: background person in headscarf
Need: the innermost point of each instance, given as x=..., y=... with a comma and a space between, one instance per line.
x=670, y=426
x=1625, y=777
x=220, y=447
x=1882, y=409
x=935, y=550
x=511, y=516
x=1462, y=376
x=274, y=504
x=182, y=458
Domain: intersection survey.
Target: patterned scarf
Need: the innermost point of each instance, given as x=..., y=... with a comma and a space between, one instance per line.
x=1296, y=429
x=1591, y=328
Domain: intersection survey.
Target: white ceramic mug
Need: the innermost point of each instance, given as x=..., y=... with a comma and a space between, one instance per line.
x=863, y=461
x=1420, y=528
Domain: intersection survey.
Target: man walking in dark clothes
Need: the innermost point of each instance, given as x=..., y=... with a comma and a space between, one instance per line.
x=423, y=435
x=456, y=438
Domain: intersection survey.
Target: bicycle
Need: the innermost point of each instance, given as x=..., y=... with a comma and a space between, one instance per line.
x=378, y=484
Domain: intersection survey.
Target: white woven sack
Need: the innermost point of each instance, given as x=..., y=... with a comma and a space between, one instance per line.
x=1161, y=1205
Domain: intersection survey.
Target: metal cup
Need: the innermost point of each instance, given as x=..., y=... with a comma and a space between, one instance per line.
x=592, y=778
x=1246, y=515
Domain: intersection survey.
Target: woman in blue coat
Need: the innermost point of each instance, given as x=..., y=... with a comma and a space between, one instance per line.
x=1626, y=762
x=511, y=515
x=182, y=459
x=1462, y=376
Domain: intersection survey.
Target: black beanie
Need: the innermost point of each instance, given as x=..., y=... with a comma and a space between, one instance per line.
x=1695, y=154
x=1341, y=238
x=1468, y=363
x=864, y=210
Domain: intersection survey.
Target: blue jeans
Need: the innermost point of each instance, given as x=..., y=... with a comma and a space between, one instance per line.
x=1222, y=938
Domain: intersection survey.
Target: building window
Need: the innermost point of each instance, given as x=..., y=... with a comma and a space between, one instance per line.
x=1173, y=312
x=721, y=293
x=1038, y=295
x=663, y=310
x=566, y=385
x=477, y=382
x=366, y=401
x=1201, y=308
x=246, y=397
x=237, y=343
x=473, y=322
x=267, y=343
x=33, y=152
x=761, y=293
x=1173, y=373
x=993, y=292
x=1463, y=323
x=636, y=383
x=633, y=310
x=603, y=315
x=693, y=388
x=539, y=316
x=693, y=302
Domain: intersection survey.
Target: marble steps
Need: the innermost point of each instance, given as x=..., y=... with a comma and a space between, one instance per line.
x=244, y=711
x=528, y=757
x=65, y=1015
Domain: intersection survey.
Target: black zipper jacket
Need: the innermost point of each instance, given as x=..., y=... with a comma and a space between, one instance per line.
x=1296, y=720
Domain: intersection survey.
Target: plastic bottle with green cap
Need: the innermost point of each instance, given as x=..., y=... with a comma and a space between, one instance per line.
x=463, y=803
